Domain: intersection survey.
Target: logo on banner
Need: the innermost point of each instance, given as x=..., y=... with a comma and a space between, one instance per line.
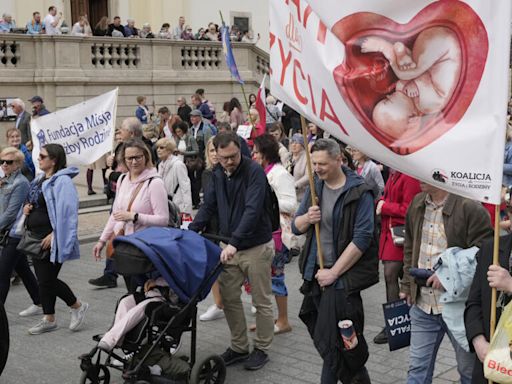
x=41, y=138
x=292, y=33
x=409, y=84
x=464, y=180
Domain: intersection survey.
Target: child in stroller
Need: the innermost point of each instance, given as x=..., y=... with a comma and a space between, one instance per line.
x=148, y=324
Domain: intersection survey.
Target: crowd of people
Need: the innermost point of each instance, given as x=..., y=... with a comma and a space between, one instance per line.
x=54, y=24
x=254, y=192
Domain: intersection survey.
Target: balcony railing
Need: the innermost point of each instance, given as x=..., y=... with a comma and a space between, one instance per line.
x=95, y=57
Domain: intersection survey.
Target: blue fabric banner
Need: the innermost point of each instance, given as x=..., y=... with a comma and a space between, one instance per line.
x=228, y=53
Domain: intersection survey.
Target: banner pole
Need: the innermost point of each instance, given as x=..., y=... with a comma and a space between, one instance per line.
x=312, y=189
x=495, y=261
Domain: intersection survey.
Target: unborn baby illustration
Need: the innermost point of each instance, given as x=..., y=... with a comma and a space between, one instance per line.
x=427, y=77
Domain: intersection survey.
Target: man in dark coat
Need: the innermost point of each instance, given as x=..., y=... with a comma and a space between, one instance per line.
x=346, y=216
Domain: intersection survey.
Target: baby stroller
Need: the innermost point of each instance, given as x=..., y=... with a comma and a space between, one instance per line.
x=189, y=263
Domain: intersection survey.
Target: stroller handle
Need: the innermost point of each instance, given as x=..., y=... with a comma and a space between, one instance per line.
x=215, y=237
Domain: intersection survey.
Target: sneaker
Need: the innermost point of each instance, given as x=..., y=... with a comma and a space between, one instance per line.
x=43, y=326
x=78, y=316
x=257, y=359
x=31, y=311
x=212, y=313
x=381, y=338
x=231, y=357
x=104, y=282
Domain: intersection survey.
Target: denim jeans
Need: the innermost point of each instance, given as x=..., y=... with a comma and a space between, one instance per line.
x=13, y=260
x=427, y=332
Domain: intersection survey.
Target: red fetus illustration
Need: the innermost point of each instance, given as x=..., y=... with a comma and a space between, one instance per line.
x=408, y=84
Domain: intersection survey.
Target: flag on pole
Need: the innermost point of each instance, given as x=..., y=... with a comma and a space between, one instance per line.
x=421, y=86
x=260, y=104
x=228, y=53
x=85, y=130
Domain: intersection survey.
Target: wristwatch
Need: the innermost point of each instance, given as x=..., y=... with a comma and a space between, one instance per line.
x=135, y=218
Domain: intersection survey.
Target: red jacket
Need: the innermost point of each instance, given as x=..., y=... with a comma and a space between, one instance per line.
x=399, y=191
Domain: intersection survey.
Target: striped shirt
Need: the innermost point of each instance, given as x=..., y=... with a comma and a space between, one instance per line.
x=433, y=243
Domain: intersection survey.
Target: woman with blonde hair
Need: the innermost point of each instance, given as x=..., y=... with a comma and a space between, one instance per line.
x=174, y=174
x=13, y=192
x=216, y=310
x=141, y=197
x=101, y=28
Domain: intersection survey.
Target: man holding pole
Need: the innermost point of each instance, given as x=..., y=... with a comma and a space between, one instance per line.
x=436, y=220
x=332, y=285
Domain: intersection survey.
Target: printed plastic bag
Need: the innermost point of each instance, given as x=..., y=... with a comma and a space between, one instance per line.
x=498, y=362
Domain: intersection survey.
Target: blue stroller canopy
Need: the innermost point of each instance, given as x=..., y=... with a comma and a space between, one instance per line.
x=183, y=258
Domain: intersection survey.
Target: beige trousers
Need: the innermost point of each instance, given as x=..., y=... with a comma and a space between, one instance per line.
x=254, y=264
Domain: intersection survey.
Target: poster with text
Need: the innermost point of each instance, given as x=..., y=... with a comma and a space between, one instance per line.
x=85, y=130
x=421, y=86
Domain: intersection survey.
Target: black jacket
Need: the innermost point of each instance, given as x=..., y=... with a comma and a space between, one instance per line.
x=477, y=316
x=239, y=201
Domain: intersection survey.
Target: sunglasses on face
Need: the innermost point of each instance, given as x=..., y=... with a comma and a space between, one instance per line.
x=42, y=157
x=8, y=162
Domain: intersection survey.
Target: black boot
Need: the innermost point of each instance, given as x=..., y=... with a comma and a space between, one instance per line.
x=381, y=338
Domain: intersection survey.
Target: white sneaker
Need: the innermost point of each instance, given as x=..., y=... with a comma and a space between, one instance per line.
x=253, y=309
x=77, y=316
x=43, y=326
x=212, y=313
x=31, y=311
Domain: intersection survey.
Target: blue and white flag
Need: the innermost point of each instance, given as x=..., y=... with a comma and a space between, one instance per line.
x=85, y=130
x=228, y=53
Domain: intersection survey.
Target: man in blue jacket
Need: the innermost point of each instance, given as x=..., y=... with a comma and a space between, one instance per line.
x=345, y=213
x=238, y=193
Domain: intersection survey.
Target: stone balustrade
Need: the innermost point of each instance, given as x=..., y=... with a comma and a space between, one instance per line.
x=65, y=70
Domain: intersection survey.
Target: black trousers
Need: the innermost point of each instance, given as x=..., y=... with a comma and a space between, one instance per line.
x=195, y=185
x=50, y=287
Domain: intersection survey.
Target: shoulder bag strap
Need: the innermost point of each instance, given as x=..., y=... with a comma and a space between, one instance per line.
x=134, y=195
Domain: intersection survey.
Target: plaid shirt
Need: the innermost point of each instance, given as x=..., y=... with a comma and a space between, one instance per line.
x=433, y=243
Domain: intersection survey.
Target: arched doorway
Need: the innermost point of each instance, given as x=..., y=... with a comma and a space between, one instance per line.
x=94, y=9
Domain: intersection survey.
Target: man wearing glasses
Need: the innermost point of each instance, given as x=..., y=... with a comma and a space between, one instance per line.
x=238, y=193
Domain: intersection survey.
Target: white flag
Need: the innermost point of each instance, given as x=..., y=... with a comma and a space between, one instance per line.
x=85, y=130
x=421, y=86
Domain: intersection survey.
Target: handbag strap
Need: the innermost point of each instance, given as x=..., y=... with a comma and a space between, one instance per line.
x=134, y=195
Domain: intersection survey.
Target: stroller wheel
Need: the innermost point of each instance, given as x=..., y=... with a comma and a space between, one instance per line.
x=209, y=370
x=101, y=375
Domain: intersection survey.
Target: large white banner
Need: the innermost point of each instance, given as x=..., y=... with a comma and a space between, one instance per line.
x=85, y=130
x=421, y=86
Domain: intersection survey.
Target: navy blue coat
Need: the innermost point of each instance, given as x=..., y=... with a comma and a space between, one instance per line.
x=239, y=201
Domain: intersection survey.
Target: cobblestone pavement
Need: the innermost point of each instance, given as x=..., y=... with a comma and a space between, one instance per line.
x=52, y=358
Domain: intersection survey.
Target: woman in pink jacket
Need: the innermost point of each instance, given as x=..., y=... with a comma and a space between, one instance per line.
x=399, y=191
x=141, y=198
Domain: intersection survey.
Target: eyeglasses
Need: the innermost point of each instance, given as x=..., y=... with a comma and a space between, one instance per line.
x=8, y=162
x=225, y=159
x=42, y=157
x=136, y=159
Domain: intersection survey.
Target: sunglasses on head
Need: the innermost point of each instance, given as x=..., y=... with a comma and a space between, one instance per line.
x=8, y=162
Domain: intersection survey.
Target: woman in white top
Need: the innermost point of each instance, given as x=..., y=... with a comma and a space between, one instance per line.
x=174, y=174
x=266, y=153
x=81, y=27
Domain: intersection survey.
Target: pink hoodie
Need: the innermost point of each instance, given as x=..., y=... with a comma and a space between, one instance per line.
x=150, y=204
